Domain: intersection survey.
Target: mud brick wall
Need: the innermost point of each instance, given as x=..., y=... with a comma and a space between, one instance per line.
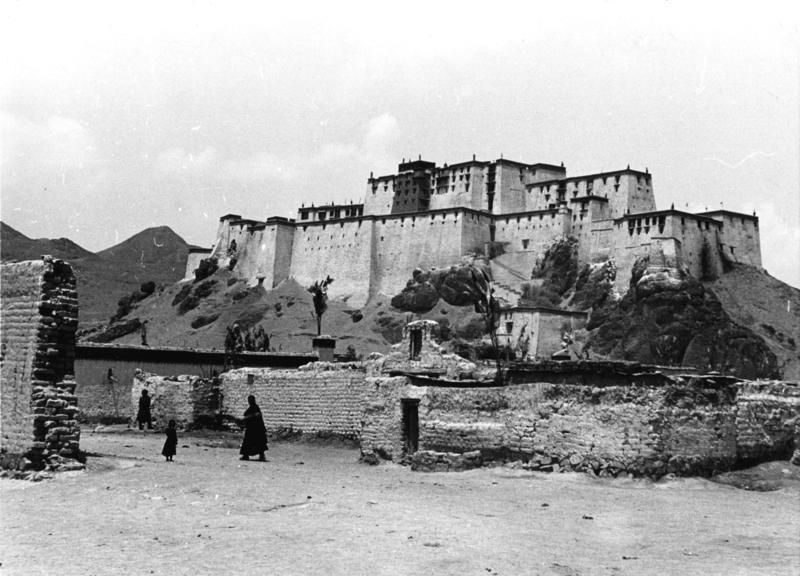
x=188, y=400
x=38, y=406
x=684, y=427
x=318, y=398
x=767, y=420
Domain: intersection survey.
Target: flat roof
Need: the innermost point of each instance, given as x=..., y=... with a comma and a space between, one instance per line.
x=557, y=311
x=588, y=176
x=730, y=213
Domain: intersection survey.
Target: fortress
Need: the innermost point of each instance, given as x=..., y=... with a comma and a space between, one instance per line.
x=507, y=212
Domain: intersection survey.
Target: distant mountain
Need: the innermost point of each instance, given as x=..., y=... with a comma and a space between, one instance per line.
x=14, y=245
x=155, y=254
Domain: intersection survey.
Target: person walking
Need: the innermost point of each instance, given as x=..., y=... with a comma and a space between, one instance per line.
x=255, y=432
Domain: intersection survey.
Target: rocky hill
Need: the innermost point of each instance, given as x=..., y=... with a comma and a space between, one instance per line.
x=196, y=314
x=154, y=255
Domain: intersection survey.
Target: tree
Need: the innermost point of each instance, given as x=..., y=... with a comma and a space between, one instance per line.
x=319, y=294
x=487, y=306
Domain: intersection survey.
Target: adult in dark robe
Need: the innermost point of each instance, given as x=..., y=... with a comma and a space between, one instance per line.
x=255, y=433
x=143, y=415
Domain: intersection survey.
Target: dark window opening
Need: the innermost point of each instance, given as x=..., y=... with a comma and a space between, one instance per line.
x=415, y=344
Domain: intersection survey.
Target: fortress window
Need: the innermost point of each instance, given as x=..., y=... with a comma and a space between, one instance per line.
x=525, y=244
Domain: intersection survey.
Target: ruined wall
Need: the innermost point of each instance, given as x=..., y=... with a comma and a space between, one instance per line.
x=100, y=399
x=186, y=399
x=767, y=420
x=38, y=407
x=318, y=398
x=686, y=426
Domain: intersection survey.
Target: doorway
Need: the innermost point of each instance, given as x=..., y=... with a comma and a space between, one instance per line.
x=410, y=426
x=415, y=343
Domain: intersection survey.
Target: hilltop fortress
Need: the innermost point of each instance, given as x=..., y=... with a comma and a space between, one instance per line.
x=507, y=212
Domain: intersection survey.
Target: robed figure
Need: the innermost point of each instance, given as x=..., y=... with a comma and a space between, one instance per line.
x=255, y=433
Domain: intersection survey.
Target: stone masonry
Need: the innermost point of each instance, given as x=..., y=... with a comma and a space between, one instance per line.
x=683, y=425
x=38, y=406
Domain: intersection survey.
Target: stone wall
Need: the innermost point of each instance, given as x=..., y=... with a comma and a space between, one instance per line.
x=680, y=425
x=767, y=420
x=189, y=400
x=318, y=398
x=38, y=407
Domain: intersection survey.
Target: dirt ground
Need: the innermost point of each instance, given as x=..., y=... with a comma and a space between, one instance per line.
x=312, y=509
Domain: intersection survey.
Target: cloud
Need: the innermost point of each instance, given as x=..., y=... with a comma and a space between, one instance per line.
x=59, y=142
x=382, y=132
x=178, y=162
x=259, y=167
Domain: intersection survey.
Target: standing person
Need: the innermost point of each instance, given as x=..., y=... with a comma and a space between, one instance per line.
x=255, y=433
x=144, y=333
x=171, y=443
x=143, y=415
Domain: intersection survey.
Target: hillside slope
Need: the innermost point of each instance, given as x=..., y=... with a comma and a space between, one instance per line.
x=767, y=306
x=14, y=245
x=156, y=254
x=196, y=315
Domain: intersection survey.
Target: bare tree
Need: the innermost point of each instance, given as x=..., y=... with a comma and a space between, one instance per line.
x=319, y=293
x=489, y=308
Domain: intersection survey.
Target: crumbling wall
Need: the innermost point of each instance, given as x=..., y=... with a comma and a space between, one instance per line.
x=38, y=406
x=318, y=398
x=189, y=400
x=767, y=420
x=684, y=426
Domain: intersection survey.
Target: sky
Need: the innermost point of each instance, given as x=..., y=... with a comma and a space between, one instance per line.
x=115, y=117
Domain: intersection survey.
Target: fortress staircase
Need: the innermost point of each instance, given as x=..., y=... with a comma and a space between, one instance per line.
x=508, y=275
x=506, y=294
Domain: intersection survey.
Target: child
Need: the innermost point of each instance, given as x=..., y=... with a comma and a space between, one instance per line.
x=171, y=443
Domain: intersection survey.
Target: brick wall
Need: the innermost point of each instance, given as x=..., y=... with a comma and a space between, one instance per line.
x=38, y=407
x=318, y=398
x=686, y=426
